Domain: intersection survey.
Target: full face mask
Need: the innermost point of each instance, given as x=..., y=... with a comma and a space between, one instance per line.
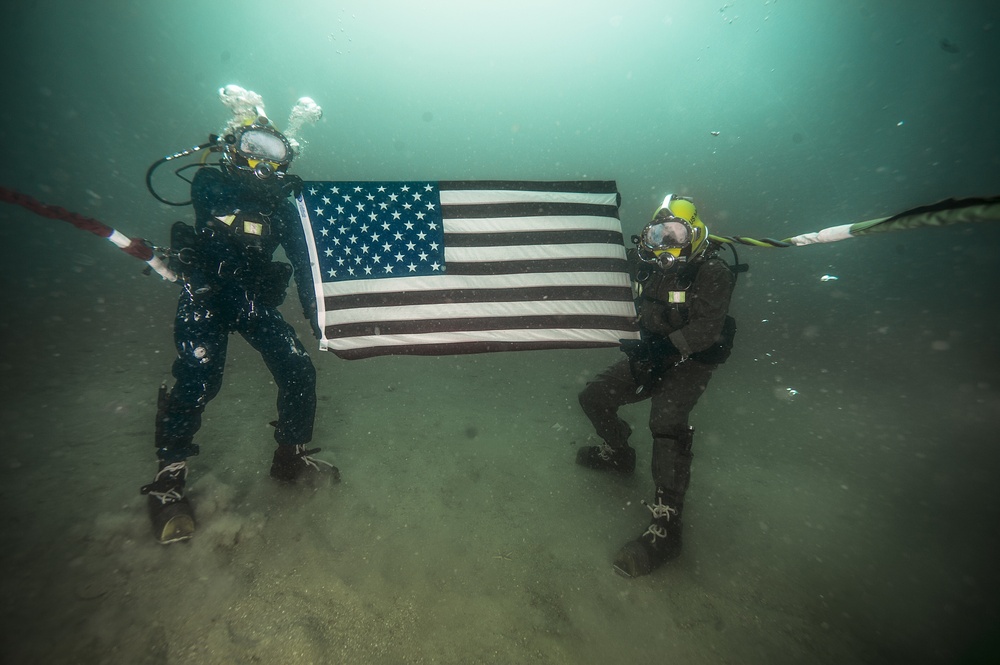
x=259, y=149
x=675, y=235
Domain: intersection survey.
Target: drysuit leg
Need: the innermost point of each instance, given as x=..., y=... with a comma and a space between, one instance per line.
x=673, y=400
x=293, y=373
x=672, y=403
x=201, y=339
x=601, y=399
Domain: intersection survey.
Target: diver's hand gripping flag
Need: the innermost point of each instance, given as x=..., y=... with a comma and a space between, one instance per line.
x=435, y=268
x=942, y=213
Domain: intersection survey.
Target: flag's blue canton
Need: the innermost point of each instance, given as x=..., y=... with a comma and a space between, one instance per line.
x=366, y=230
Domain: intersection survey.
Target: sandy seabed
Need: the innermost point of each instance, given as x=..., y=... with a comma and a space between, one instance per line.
x=851, y=519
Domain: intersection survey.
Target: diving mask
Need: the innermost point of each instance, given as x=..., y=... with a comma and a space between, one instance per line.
x=666, y=231
x=665, y=240
x=260, y=148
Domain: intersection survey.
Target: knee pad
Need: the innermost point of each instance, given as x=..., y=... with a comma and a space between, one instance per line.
x=681, y=436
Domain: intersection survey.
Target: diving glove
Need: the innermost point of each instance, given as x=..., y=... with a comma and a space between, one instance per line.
x=649, y=359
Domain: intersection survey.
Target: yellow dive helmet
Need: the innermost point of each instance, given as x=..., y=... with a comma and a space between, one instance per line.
x=676, y=233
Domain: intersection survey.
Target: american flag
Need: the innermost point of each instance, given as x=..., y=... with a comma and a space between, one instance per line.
x=436, y=268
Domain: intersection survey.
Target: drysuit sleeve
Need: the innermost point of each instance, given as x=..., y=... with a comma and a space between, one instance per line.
x=293, y=241
x=698, y=325
x=210, y=190
x=709, y=296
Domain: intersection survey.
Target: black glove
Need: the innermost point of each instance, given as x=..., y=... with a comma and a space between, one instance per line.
x=311, y=316
x=649, y=359
x=269, y=282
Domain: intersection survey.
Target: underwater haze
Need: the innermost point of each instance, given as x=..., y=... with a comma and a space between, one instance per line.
x=843, y=503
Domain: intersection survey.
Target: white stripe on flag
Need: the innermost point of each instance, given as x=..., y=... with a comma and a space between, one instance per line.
x=494, y=196
x=524, y=224
x=506, y=253
x=449, y=282
x=484, y=310
x=567, y=336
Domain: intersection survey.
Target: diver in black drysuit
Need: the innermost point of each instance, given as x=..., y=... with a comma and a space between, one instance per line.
x=683, y=302
x=230, y=284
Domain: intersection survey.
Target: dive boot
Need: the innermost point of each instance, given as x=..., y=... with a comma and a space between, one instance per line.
x=293, y=462
x=169, y=510
x=660, y=543
x=605, y=458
